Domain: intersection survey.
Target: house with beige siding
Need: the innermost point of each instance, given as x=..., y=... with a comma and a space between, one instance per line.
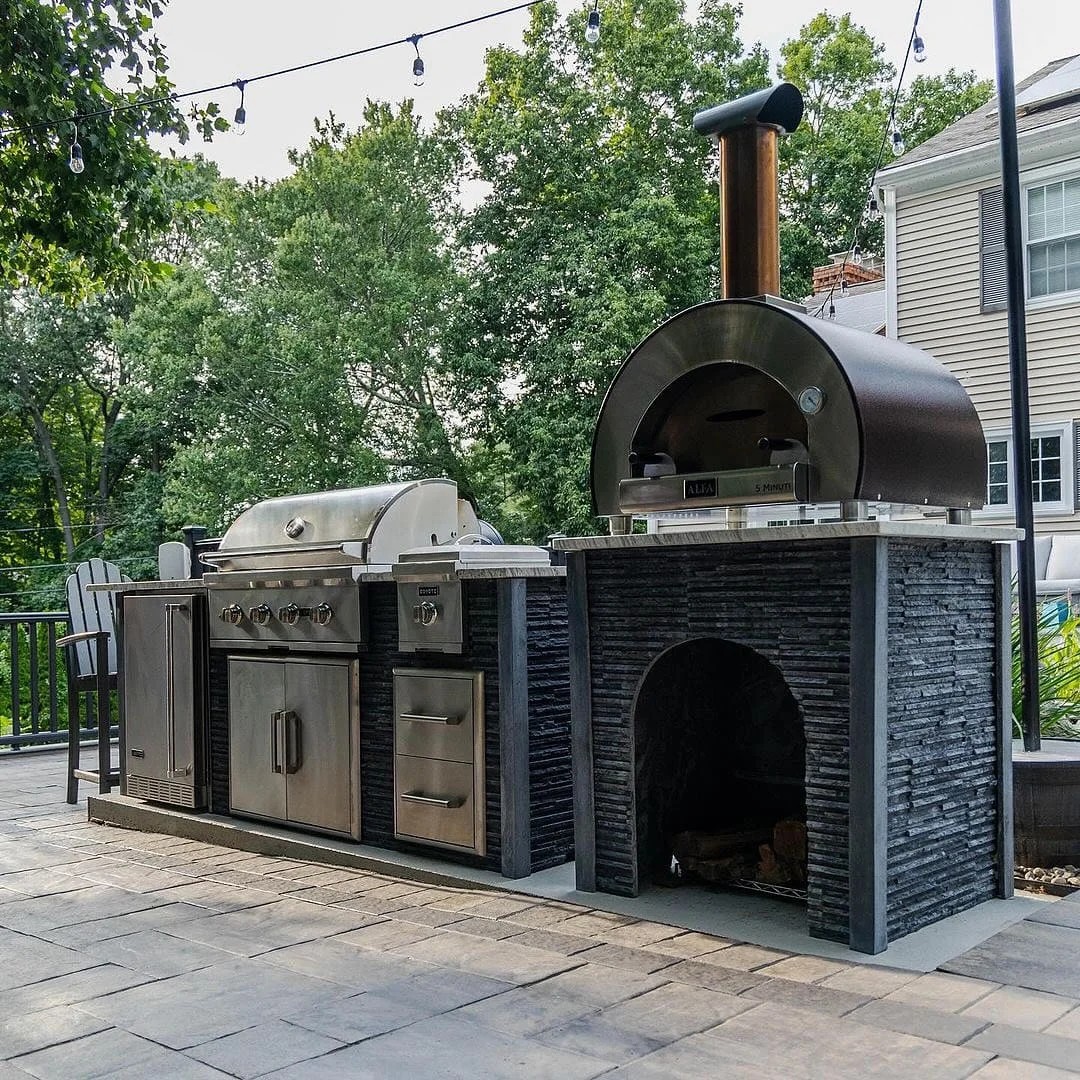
x=945, y=275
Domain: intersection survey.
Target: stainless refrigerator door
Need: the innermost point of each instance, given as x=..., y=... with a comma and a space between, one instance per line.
x=161, y=716
x=256, y=735
x=320, y=704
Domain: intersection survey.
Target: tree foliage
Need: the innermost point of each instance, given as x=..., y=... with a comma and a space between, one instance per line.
x=69, y=233
x=303, y=342
x=599, y=222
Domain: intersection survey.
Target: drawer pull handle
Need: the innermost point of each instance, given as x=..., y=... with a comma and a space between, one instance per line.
x=432, y=800
x=421, y=718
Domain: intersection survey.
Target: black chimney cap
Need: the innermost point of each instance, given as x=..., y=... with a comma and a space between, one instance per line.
x=779, y=106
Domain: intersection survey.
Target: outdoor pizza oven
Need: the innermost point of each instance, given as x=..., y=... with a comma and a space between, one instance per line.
x=740, y=402
x=815, y=711
x=749, y=400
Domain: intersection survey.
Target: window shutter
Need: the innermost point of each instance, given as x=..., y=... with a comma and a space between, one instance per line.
x=992, y=267
x=1076, y=465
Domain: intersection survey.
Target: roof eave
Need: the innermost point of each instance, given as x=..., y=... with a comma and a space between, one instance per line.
x=972, y=162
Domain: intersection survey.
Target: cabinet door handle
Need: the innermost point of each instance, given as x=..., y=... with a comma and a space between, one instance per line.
x=170, y=692
x=422, y=718
x=275, y=756
x=293, y=752
x=432, y=800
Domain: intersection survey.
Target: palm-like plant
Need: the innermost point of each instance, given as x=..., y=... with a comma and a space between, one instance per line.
x=1059, y=674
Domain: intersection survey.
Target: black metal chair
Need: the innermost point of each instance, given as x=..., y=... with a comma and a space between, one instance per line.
x=90, y=658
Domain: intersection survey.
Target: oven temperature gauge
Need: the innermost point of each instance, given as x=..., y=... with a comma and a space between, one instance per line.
x=811, y=400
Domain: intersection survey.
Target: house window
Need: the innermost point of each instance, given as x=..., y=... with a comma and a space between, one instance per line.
x=1046, y=469
x=997, y=473
x=1051, y=470
x=1053, y=238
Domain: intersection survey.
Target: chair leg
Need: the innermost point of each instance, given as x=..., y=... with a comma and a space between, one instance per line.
x=73, y=741
x=104, y=717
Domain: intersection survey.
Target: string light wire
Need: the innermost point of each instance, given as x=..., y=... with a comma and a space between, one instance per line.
x=144, y=103
x=890, y=124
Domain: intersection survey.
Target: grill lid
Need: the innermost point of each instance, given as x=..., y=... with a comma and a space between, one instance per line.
x=345, y=527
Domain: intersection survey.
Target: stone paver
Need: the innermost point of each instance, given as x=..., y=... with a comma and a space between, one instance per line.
x=260, y=1049
x=1031, y=1009
x=1040, y=1048
x=132, y=955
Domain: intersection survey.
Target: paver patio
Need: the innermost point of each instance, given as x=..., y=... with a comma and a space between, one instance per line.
x=127, y=954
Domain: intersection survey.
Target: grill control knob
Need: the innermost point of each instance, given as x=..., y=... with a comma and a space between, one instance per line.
x=322, y=614
x=289, y=614
x=425, y=614
x=260, y=615
x=232, y=613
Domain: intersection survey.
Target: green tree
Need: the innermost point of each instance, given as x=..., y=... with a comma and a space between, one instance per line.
x=598, y=222
x=301, y=345
x=828, y=164
x=66, y=232
x=933, y=102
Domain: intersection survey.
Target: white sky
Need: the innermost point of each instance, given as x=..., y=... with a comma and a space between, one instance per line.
x=216, y=41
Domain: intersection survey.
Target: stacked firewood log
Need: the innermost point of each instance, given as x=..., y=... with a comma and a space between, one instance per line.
x=774, y=855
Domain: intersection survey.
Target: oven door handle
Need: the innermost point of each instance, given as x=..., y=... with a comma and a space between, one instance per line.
x=293, y=754
x=423, y=718
x=432, y=800
x=275, y=741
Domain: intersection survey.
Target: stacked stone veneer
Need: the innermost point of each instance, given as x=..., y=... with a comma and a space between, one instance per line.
x=792, y=603
x=551, y=800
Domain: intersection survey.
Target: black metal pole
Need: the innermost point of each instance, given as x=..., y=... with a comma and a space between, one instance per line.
x=1021, y=427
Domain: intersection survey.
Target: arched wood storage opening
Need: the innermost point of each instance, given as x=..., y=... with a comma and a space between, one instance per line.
x=720, y=759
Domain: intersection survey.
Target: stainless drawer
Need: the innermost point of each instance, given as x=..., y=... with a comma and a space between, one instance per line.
x=438, y=802
x=436, y=715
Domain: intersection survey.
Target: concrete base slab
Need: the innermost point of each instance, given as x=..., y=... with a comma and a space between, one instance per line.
x=758, y=920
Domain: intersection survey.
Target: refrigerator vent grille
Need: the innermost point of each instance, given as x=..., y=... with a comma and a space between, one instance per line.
x=162, y=791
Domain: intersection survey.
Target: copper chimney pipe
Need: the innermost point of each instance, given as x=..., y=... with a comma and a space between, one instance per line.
x=748, y=130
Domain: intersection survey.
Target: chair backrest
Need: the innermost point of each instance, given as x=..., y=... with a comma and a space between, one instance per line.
x=92, y=611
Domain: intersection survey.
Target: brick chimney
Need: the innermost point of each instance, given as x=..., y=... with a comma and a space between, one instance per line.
x=870, y=269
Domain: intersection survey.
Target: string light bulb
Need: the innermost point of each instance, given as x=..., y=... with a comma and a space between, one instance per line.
x=592, y=27
x=418, y=60
x=856, y=254
x=240, y=116
x=918, y=49
x=843, y=286
x=75, y=154
x=832, y=310
x=873, y=209
x=897, y=142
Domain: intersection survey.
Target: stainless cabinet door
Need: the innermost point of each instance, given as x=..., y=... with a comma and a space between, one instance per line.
x=159, y=687
x=319, y=704
x=256, y=753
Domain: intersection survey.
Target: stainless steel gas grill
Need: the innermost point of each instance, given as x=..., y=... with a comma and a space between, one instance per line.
x=288, y=622
x=288, y=570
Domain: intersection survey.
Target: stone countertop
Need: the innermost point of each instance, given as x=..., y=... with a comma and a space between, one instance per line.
x=125, y=587
x=481, y=573
x=788, y=534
